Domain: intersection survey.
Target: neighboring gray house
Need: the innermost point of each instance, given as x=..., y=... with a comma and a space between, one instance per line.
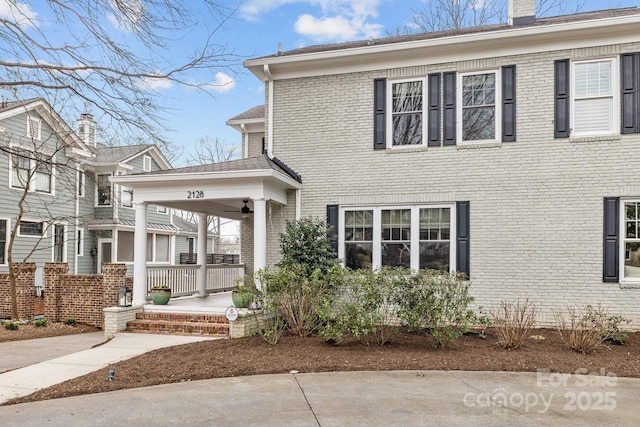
x=73, y=213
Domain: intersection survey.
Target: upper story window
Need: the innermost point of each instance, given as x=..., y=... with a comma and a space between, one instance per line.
x=81, y=182
x=478, y=112
x=126, y=199
x=146, y=163
x=444, y=109
x=593, y=97
x=29, y=171
x=162, y=209
x=406, y=112
x=34, y=128
x=103, y=190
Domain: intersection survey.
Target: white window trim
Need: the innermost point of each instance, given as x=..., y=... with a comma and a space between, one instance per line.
x=155, y=252
x=81, y=179
x=376, y=260
x=65, y=241
x=79, y=243
x=32, y=236
x=97, y=192
x=146, y=163
x=32, y=164
x=7, y=237
x=615, y=98
x=622, y=240
x=498, y=107
x=124, y=189
x=162, y=210
x=37, y=120
x=389, y=112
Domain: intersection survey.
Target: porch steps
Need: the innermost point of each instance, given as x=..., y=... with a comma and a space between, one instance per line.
x=180, y=324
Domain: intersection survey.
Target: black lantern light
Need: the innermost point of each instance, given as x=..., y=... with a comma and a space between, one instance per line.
x=124, y=297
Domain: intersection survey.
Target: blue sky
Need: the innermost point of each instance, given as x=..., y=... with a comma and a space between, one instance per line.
x=254, y=30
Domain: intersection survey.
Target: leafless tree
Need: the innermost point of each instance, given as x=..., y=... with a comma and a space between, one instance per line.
x=110, y=58
x=440, y=15
x=209, y=150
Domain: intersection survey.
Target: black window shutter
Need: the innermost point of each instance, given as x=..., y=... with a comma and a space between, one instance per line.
x=379, y=118
x=462, y=238
x=433, y=119
x=449, y=96
x=630, y=83
x=509, y=103
x=611, y=251
x=332, y=221
x=562, y=98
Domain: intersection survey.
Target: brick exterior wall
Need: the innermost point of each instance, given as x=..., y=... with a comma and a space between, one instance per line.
x=25, y=291
x=536, y=204
x=81, y=297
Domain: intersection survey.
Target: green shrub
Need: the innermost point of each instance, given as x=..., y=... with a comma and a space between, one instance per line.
x=12, y=326
x=438, y=303
x=70, y=321
x=40, y=323
x=363, y=303
x=306, y=244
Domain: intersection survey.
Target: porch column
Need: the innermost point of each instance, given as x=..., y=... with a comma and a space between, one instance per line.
x=259, y=234
x=140, y=256
x=201, y=257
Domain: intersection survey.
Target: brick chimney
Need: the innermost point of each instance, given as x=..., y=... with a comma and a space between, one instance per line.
x=522, y=12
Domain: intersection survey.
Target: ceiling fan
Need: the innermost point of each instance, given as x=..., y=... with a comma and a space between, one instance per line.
x=245, y=211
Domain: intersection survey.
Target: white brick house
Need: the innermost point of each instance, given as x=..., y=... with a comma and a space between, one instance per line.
x=506, y=152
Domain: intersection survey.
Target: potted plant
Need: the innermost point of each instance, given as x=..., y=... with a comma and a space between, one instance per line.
x=243, y=295
x=160, y=294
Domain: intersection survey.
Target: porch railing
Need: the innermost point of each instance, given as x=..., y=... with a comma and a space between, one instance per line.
x=190, y=258
x=182, y=279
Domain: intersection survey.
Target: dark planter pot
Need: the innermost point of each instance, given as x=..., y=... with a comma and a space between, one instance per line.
x=160, y=296
x=241, y=300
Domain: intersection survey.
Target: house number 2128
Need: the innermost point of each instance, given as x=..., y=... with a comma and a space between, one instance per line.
x=197, y=194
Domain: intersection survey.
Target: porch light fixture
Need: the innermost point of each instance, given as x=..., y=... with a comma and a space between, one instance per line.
x=124, y=297
x=245, y=211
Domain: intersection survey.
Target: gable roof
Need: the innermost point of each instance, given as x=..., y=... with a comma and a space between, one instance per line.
x=116, y=155
x=51, y=117
x=184, y=225
x=367, y=55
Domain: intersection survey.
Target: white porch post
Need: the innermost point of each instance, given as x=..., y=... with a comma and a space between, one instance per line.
x=201, y=257
x=140, y=256
x=259, y=234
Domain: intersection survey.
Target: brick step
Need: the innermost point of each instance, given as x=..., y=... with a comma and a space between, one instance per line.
x=178, y=327
x=182, y=317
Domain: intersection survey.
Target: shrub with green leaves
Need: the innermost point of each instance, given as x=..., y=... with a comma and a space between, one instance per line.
x=40, y=323
x=70, y=321
x=306, y=244
x=438, y=303
x=362, y=303
x=11, y=326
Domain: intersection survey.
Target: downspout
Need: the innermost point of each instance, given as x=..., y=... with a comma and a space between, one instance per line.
x=269, y=80
x=77, y=221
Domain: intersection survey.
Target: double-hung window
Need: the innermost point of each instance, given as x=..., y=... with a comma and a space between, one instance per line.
x=126, y=199
x=31, y=171
x=593, y=97
x=406, y=107
x=31, y=228
x=631, y=240
x=479, y=110
x=103, y=190
x=415, y=237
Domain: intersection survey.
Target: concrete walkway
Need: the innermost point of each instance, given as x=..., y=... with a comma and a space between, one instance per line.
x=407, y=398
x=80, y=358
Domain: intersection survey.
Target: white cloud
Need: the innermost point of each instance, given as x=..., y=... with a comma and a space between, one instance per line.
x=222, y=83
x=154, y=83
x=338, y=20
x=20, y=13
